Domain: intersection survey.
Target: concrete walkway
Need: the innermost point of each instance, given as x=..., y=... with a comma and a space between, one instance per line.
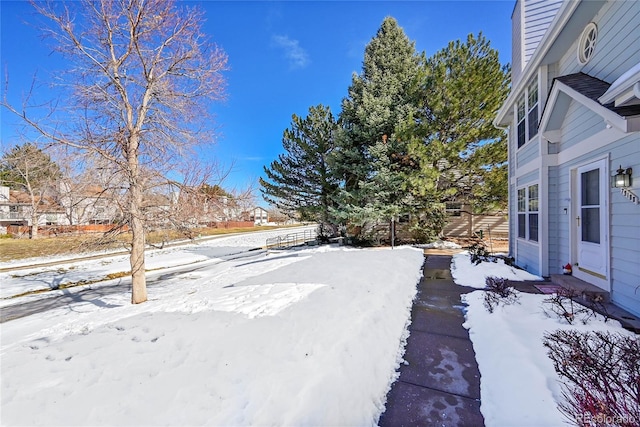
x=440, y=384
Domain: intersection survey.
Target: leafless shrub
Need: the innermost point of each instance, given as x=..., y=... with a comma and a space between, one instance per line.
x=498, y=290
x=600, y=374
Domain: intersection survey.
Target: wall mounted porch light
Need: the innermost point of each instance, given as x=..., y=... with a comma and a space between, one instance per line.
x=622, y=178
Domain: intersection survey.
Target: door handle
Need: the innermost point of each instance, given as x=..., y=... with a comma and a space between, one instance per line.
x=578, y=220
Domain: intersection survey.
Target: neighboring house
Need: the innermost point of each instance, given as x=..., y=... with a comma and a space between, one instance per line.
x=198, y=209
x=82, y=206
x=159, y=211
x=16, y=209
x=259, y=216
x=573, y=119
x=225, y=209
x=87, y=204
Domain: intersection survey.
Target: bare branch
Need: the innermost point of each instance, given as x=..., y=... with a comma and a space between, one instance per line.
x=141, y=76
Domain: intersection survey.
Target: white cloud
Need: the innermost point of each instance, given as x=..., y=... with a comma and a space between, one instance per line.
x=295, y=54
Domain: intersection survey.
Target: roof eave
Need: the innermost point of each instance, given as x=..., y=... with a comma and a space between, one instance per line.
x=624, y=124
x=562, y=17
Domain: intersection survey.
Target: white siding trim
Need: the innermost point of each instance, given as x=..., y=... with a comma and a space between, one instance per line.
x=562, y=17
x=543, y=219
x=609, y=116
x=532, y=166
x=573, y=231
x=598, y=140
x=629, y=79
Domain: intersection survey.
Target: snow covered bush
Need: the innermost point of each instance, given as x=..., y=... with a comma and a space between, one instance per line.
x=600, y=374
x=498, y=290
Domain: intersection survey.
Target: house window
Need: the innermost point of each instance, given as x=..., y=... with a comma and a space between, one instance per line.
x=533, y=212
x=527, y=114
x=532, y=103
x=453, y=209
x=522, y=126
x=587, y=43
x=528, y=213
x=51, y=219
x=522, y=213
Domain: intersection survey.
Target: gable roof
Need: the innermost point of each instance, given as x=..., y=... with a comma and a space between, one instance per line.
x=626, y=87
x=593, y=88
x=21, y=198
x=563, y=30
x=586, y=90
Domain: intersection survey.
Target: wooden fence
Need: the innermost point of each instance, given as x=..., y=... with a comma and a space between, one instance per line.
x=468, y=225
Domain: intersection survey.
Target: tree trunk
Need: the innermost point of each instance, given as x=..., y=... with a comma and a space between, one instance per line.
x=33, y=231
x=138, y=279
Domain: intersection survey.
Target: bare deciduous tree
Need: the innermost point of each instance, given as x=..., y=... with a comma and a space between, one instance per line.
x=141, y=74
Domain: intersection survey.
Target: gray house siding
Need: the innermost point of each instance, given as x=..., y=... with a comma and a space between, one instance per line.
x=528, y=152
x=579, y=124
x=512, y=213
x=552, y=73
x=617, y=50
x=528, y=257
x=618, y=44
x=625, y=230
x=538, y=15
x=529, y=178
x=575, y=143
x=555, y=219
x=624, y=218
x=516, y=40
x=530, y=21
x=564, y=221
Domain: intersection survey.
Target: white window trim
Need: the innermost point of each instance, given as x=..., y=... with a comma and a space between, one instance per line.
x=525, y=95
x=526, y=213
x=591, y=28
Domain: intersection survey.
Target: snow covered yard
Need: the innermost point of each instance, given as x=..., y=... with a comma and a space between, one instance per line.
x=518, y=384
x=54, y=276
x=303, y=337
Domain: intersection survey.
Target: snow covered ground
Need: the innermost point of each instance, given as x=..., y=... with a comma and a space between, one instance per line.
x=51, y=277
x=518, y=384
x=299, y=337
x=466, y=273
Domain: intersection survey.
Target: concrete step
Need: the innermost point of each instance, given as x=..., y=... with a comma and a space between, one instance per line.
x=586, y=291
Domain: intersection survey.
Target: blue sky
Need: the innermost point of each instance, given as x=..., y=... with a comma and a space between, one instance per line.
x=284, y=57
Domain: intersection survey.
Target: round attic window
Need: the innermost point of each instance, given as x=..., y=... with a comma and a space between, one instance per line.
x=587, y=43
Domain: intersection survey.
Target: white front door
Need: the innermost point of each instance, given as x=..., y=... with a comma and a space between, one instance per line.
x=592, y=225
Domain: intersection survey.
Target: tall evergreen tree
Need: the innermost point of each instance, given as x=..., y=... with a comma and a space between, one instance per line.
x=27, y=166
x=380, y=97
x=386, y=187
x=302, y=180
x=452, y=137
x=29, y=169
